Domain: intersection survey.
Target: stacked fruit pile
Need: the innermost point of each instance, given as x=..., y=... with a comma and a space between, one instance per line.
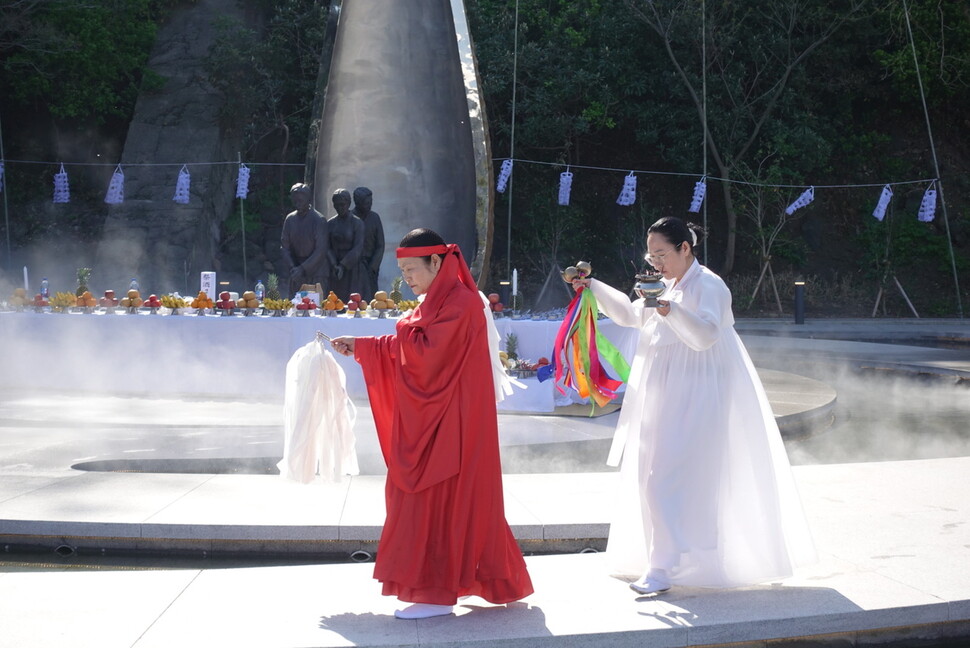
x=334, y=303
x=133, y=300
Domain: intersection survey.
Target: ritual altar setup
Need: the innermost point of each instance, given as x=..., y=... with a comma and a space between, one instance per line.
x=152, y=352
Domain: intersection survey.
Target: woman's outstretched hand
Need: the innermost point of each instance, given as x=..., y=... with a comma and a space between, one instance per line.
x=343, y=345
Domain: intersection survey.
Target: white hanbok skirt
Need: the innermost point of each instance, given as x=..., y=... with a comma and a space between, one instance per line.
x=707, y=490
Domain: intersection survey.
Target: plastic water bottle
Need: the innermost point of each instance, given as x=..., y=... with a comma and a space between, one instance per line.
x=45, y=288
x=260, y=289
x=133, y=285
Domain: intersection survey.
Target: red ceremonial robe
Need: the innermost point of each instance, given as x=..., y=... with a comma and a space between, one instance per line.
x=433, y=399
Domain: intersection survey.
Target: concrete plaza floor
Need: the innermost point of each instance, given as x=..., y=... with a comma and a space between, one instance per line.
x=893, y=537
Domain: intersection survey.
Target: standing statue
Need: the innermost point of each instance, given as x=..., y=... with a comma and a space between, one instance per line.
x=347, y=273
x=373, y=252
x=304, y=244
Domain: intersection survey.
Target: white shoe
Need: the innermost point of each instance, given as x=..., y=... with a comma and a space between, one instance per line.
x=423, y=611
x=653, y=582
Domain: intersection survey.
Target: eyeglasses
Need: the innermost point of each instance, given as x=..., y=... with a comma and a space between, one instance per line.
x=654, y=259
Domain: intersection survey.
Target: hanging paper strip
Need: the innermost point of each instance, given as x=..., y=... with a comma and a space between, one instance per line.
x=700, y=190
x=503, y=176
x=927, y=208
x=62, y=188
x=242, y=182
x=182, y=187
x=807, y=196
x=1, y=176
x=879, y=212
x=565, y=186
x=628, y=195
x=116, y=188
x=579, y=351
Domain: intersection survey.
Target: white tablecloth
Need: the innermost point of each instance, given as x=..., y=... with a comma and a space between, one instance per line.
x=232, y=357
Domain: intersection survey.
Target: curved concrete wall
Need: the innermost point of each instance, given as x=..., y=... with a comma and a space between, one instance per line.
x=399, y=117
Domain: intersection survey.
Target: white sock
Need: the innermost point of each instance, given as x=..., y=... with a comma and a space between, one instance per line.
x=423, y=611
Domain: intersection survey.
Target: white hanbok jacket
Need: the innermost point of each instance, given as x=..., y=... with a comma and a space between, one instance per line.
x=707, y=491
x=318, y=418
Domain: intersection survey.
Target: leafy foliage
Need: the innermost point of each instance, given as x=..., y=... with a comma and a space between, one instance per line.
x=82, y=59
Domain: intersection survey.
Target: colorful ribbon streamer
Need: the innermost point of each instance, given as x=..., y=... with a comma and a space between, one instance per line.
x=580, y=349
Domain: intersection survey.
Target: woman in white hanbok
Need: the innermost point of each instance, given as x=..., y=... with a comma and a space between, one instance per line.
x=707, y=496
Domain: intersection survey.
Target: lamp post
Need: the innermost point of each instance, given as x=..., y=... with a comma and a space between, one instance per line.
x=799, y=302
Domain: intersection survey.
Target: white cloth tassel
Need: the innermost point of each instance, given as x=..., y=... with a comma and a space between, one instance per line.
x=318, y=419
x=62, y=188
x=628, y=195
x=503, y=176
x=879, y=212
x=700, y=190
x=182, y=187
x=565, y=186
x=242, y=182
x=116, y=188
x=927, y=208
x=807, y=196
x=1, y=177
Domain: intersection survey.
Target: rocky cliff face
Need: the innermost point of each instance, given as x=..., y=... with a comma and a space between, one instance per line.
x=151, y=237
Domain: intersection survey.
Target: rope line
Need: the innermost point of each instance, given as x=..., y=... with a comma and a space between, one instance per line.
x=709, y=177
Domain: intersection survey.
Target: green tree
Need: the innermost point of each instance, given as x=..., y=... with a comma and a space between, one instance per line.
x=80, y=60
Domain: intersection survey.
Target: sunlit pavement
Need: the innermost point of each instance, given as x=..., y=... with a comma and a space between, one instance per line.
x=892, y=536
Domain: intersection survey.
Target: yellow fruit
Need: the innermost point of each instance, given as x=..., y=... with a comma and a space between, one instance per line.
x=132, y=294
x=380, y=295
x=126, y=302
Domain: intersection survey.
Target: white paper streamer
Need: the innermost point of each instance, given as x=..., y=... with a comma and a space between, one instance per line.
x=700, y=190
x=628, y=195
x=807, y=196
x=1, y=176
x=927, y=208
x=116, y=188
x=182, y=186
x=565, y=186
x=503, y=176
x=242, y=182
x=62, y=188
x=879, y=212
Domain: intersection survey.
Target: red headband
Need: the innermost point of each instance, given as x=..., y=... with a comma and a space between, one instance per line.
x=427, y=250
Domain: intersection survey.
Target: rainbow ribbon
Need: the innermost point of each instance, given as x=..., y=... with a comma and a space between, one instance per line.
x=580, y=349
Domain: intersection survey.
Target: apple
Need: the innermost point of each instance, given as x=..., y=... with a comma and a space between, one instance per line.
x=352, y=306
x=356, y=298
x=493, y=298
x=498, y=308
x=224, y=296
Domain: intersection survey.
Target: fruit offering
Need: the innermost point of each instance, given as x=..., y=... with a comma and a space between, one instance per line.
x=152, y=302
x=225, y=301
x=407, y=304
x=333, y=303
x=173, y=302
x=354, y=303
x=19, y=297
x=306, y=306
x=248, y=300
x=109, y=300
x=282, y=305
x=39, y=301
x=202, y=301
x=494, y=304
x=63, y=300
x=382, y=302
x=133, y=300
x=86, y=300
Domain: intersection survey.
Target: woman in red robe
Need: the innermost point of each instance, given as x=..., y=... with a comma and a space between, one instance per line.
x=433, y=398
